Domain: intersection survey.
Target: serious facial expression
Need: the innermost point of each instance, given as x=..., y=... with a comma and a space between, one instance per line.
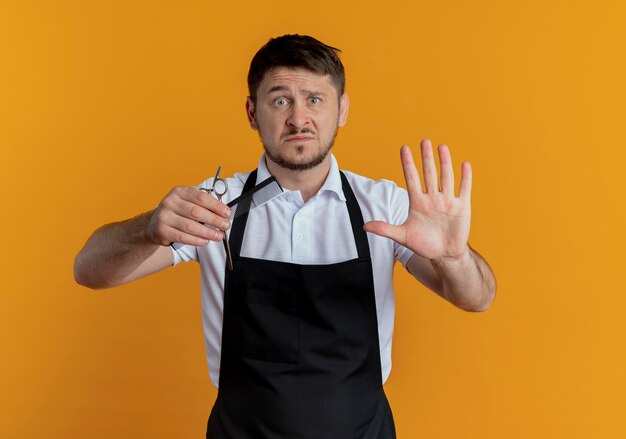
x=297, y=114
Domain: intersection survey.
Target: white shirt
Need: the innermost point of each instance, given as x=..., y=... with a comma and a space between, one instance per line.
x=286, y=229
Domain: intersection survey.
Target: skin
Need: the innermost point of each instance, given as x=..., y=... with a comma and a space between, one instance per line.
x=297, y=114
x=437, y=230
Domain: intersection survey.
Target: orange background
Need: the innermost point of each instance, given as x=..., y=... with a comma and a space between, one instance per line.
x=105, y=105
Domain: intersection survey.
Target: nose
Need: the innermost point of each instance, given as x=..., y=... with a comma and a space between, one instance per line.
x=298, y=117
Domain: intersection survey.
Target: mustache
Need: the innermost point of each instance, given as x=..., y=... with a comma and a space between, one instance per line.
x=295, y=131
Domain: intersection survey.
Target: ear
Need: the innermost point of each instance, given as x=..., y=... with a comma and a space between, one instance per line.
x=251, y=113
x=344, y=105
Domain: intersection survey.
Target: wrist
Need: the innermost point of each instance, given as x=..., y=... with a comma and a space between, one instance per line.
x=141, y=231
x=453, y=261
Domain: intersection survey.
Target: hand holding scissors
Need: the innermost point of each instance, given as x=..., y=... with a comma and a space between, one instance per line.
x=187, y=215
x=219, y=189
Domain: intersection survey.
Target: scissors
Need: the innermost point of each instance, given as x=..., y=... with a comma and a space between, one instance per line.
x=219, y=189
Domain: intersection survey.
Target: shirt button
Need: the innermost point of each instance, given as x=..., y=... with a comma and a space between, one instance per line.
x=299, y=236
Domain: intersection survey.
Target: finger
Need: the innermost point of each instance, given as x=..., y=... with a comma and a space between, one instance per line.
x=386, y=230
x=465, y=188
x=202, y=198
x=175, y=235
x=200, y=214
x=411, y=176
x=193, y=203
x=184, y=226
x=179, y=217
x=447, y=173
x=429, y=168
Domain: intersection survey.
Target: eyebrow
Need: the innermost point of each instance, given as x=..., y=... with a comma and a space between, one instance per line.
x=303, y=90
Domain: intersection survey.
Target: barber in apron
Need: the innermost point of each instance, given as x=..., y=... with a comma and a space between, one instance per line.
x=300, y=354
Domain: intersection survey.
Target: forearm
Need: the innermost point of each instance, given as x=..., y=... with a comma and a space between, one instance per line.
x=114, y=252
x=468, y=282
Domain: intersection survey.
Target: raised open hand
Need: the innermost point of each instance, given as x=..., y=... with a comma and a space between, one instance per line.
x=438, y=223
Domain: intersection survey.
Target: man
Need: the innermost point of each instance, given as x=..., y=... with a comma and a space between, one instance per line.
x=298, y=334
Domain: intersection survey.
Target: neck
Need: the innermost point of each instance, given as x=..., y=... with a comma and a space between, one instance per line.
x=308, y=182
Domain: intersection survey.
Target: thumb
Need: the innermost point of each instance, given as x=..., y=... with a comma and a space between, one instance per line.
x=386, y=230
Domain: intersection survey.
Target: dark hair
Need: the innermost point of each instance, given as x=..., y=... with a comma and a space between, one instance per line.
x=296, y=51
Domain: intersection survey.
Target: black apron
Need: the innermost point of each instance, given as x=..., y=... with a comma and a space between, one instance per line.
x=300, y=354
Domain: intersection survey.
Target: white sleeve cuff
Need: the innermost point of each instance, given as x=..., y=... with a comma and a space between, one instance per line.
x=184, y=253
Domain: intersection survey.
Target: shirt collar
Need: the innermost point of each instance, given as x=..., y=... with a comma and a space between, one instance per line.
x=331, y=184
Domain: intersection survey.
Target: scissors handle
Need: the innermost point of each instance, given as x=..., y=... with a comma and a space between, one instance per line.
x=219, y=189
x=218, y=194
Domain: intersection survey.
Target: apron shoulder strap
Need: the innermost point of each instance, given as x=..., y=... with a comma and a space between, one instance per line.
x=356, y=219
x=239, y=224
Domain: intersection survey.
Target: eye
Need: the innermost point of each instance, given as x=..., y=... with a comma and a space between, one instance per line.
x=314, y=100
x=280, y=102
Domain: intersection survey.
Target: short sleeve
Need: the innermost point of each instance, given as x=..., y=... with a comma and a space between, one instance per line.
x=184, y=253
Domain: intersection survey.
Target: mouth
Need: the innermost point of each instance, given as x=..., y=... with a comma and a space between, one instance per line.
x=298, y=138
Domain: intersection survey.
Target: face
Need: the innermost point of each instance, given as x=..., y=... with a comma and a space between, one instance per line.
x=297, y=114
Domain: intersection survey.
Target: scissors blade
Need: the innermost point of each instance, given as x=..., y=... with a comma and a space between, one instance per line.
x=229, y=258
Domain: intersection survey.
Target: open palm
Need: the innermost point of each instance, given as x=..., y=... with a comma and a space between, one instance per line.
x=438, y=222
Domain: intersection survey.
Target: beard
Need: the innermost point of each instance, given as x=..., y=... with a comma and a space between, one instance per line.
x=312, y=161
